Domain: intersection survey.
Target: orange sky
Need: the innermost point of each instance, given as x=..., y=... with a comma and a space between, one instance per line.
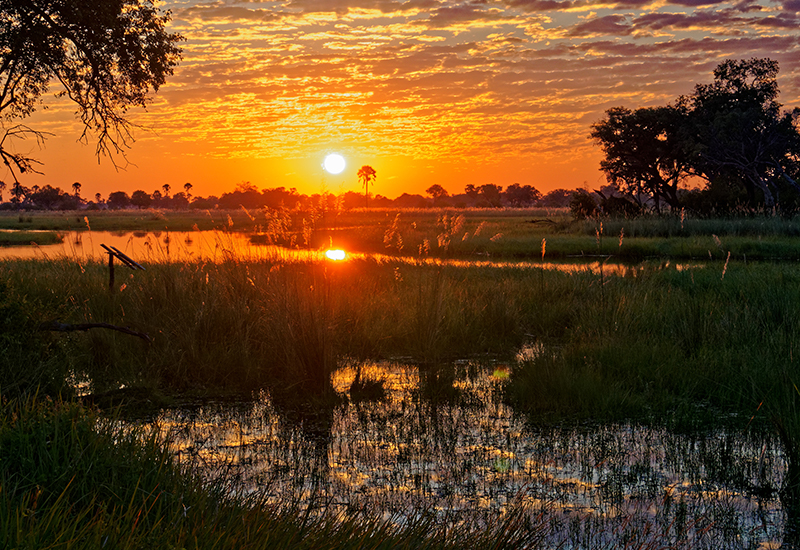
x=424, y=91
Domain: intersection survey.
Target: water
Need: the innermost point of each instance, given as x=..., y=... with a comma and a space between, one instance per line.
x=444, y=442
x=215, y=246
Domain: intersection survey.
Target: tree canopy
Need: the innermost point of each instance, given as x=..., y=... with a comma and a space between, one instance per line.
x=105, y=56
x=732, y=133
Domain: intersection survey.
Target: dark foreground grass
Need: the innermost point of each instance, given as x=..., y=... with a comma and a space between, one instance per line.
x=72, y=479
x=692, y=348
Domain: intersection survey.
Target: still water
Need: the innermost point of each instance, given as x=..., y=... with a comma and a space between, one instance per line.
x=443, y=441
x=216, y=246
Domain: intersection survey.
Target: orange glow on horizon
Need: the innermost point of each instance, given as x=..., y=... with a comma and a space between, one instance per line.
x=426, y=94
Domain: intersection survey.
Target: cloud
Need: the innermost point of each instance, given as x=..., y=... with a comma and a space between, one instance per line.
x=442, y=79
x=616, y=25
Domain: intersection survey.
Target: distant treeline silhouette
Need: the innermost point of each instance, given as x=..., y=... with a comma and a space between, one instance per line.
x=248, y=195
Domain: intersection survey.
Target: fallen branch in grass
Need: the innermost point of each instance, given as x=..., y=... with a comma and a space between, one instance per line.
x=56, y=326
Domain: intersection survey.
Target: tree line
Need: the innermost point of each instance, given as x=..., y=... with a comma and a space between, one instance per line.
x=248, y=196
x=728, y=146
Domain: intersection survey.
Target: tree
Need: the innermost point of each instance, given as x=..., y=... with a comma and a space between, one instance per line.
x=76, y=189
x=118, y=199
x=366, y=175
x=179, y=201
x=521, y=195
x=470, y=191
x=732, y=133
x=188, y=187
x=2, y=188
x=739, y=132
x=141, y=199
x=645, y=151
x=166, y=187
x=557, y=198
x=491, y=194
x=107, y=55
x=46, y=198
x=437, y=193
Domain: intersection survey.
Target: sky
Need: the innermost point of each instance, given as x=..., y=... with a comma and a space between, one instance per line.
x=424, y=91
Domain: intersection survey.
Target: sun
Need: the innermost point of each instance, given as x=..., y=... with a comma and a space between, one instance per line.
x=334, y=163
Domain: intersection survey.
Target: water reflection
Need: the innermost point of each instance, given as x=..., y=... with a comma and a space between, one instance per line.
x=216, y=246
x=444, y=441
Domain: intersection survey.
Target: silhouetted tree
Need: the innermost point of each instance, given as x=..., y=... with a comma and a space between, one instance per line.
x=46, y=198
x=582, y=205
x=179, y=201
x=141, y=199
x=732, y=133
x=107, y=55
x=470, y=191
x=491, y=195
x=166, y=187
x=739, y=131
x=118, y=200
x=646, y=152
x=246, y=194
x=76, y=189
x=187, y=187
x=557, y=198
x=366, y=175
x=521, y=195
x=437, y=193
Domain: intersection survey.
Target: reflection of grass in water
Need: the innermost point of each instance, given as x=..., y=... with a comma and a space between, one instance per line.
x=72, y=479
x=591, y=483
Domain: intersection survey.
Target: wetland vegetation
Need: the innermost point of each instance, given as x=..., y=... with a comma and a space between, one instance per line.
x=484, y=397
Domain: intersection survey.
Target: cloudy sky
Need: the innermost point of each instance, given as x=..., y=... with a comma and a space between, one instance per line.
x=425, y=91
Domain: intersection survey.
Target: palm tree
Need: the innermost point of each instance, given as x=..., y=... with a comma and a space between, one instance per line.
x=366, y=175
x=76, y=187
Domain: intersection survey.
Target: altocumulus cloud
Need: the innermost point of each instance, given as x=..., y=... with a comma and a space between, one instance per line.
x=449, y=79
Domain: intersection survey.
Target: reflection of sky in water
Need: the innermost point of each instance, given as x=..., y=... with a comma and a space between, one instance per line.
x=179, y=246
x=448, y=443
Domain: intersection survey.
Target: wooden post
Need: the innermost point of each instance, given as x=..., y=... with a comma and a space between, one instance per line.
x=114, y=252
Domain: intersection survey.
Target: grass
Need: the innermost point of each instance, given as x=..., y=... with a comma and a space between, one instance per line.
x=692, y=348
x=28, y=238
x=72, y=479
